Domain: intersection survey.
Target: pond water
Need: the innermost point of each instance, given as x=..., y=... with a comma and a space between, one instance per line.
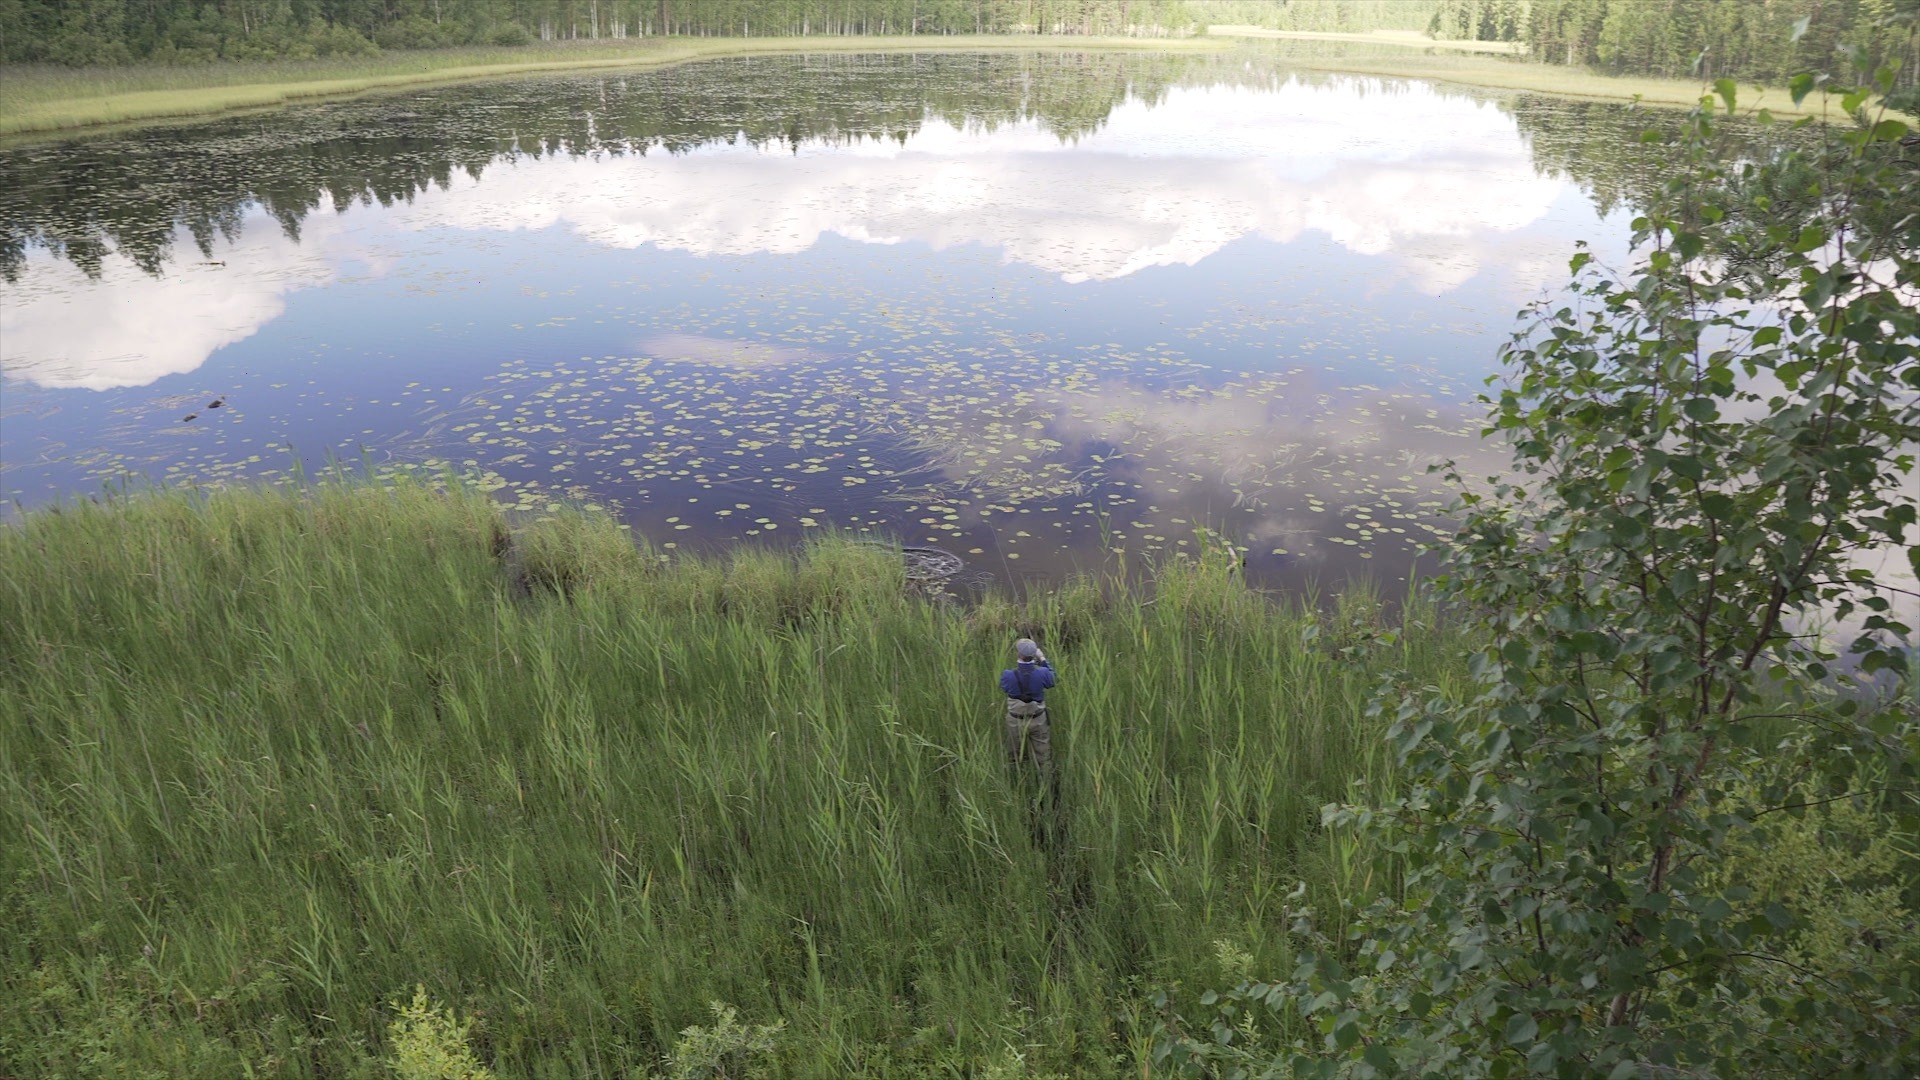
x=1046, y=312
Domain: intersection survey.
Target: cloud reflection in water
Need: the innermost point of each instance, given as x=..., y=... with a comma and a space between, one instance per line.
x=993, y=340
x=1447, y=196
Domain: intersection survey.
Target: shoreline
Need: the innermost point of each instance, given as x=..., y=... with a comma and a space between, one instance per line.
x=1405, y=39
x=1492, y=72
x=55, y=114
x=89, y=113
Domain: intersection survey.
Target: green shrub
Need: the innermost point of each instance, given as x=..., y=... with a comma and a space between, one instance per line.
x=82, y=50
x=728, y=1050
x=1842, y=865
x=430, y=1043
x=328, y=39
x=415, y=32
x=509, y=34
x=1709, y=450
x=574, y=548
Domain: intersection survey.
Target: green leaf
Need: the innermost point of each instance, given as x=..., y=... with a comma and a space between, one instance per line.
x=1521, y=1029
x=1726, y=89
x=1811, y=237
x=1718, y=506
x=1890, y=131
x=1517, y=654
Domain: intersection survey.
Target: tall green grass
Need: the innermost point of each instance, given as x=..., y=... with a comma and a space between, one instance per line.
x=268, y=761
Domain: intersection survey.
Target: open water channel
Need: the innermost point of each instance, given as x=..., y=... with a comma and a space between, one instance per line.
x=1046, y=311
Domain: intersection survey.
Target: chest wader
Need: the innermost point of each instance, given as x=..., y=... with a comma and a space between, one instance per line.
x=1028, y=735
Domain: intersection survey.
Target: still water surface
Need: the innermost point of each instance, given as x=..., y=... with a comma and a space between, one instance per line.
x=1035, y=310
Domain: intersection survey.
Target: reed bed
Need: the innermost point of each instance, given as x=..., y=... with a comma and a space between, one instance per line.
x=271, y=760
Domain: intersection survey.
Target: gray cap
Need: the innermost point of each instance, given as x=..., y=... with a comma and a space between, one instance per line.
x=1025, y=649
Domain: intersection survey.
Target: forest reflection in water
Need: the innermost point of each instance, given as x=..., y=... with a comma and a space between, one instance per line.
x=1039, y=310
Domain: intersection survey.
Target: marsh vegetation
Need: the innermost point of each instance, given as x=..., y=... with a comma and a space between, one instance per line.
x=276, y=759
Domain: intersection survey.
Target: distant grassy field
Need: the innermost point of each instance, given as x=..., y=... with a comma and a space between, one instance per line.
x=1400, y=38
x=1378, y=55
x=268, y=762
x=41, y=98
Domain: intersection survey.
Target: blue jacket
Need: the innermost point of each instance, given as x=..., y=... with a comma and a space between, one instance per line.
x=1028, y=682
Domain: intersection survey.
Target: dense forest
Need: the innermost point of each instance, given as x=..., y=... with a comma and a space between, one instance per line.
x=1743, y=39
x=1748, y=39
x=82, y=32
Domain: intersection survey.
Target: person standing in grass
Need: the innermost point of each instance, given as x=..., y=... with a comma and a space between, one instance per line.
x=1026, y=685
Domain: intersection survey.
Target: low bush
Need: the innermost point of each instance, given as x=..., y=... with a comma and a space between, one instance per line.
x=509, y=35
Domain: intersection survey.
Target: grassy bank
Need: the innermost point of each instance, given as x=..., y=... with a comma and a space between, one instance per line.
x=1406, y=39
x=1372, y=55
x=47, y=99
x=44, y=99
x=270, y=762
